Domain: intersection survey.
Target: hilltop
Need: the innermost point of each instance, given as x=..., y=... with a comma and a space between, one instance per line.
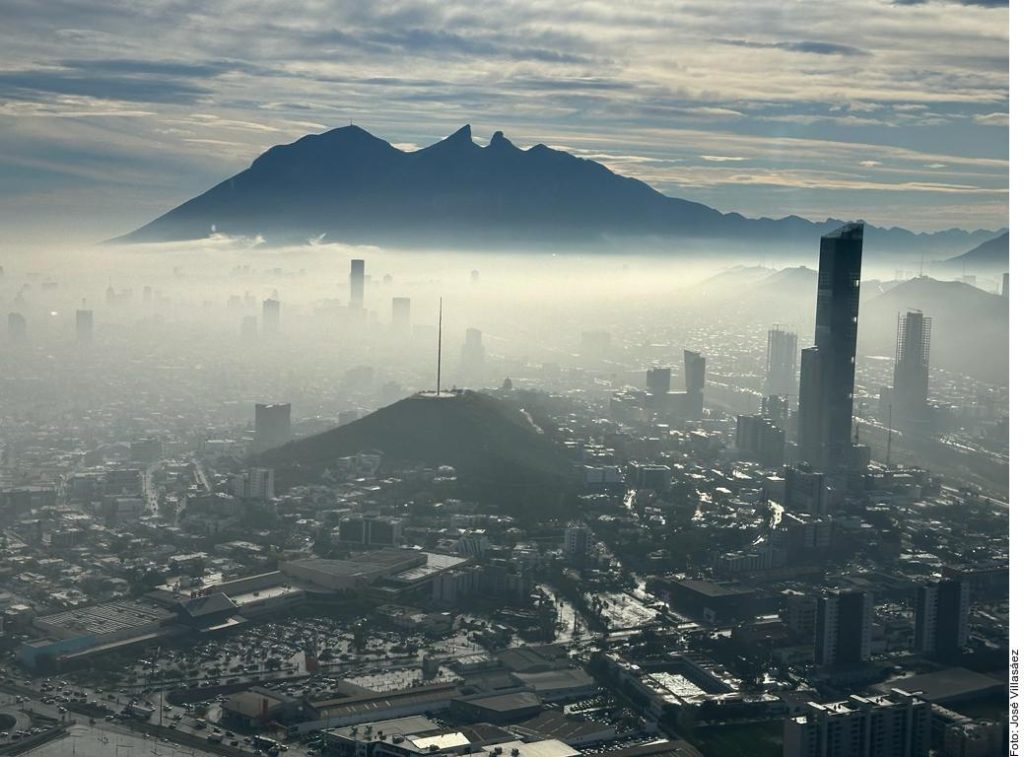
x=498, y=452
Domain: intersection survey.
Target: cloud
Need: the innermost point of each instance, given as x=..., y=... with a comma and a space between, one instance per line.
x=804, y=46
x=993, y=119
x=721, y=158
x=870, y=163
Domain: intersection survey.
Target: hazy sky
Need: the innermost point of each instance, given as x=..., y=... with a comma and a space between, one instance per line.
x=896, y=112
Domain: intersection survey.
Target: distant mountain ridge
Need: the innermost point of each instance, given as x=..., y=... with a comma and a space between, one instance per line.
x=992, y=253
x=347, y=185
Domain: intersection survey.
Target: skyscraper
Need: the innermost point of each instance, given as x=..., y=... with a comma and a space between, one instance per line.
x=273, y=426
x=780, y=378
x=694, y=366
x=940, y=617
x=827, y=368
x=842, y=628
x=910, y=377
x=83, y=326
x=401, y=314
x=271, y=317
x=355, y=283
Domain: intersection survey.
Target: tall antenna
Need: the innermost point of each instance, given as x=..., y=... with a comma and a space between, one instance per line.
x=440, y=308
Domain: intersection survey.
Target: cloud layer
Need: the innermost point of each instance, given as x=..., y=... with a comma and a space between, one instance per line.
x=111, y=113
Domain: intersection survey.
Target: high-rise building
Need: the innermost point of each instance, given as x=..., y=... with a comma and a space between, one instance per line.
x=473, y=354
x=576, y=540
x=83, y=326
x=780, y=374
x=910, y=376
x=805, y=491
x=254, y=483
x=827, y=368
x=896, y=724
x=759, y=439
x=941, y=610
x=694, y=367
x=271, y=317
x=775, y=408
x=659, y=381
x=17, y=327
x=273, y=426
x=356, y=281
x=370, y=531
x=842, y=629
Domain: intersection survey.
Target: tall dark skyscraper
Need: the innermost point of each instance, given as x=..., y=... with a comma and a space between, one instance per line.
x=842, y=628
x=940, y=617
x=273, y=426
x=473, y=355
x=83, y=326
x=355, y=283
x=910, y=377
x=271, y=317
x=780, y=378
x=827, y=368
x=659, y=380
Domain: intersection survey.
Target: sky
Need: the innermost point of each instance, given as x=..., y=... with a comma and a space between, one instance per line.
x=894, y=111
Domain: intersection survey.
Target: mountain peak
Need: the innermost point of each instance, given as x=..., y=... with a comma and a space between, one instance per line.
x=465, y=134
x=500, y=142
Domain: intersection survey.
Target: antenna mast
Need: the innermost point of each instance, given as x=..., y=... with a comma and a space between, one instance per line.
x=440, y=307
x=888, y=446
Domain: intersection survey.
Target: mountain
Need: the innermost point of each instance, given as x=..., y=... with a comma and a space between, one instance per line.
x=498, y=452
x=970, y=327
x=350, y=186
x=992, y=253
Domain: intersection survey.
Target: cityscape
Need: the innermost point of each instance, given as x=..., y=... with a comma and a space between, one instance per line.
x=396, y=448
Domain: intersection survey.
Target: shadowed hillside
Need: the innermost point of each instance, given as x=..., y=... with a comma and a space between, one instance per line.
x=499, y=454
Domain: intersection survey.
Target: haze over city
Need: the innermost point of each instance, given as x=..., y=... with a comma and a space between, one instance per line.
x=507, y=379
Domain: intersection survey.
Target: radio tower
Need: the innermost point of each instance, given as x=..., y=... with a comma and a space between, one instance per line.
x=440, y=306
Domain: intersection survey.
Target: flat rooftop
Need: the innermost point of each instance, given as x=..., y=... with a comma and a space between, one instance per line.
x=949, y=685
x=107, y=618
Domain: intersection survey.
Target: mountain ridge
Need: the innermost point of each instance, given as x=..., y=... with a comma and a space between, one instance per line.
x=348, y=185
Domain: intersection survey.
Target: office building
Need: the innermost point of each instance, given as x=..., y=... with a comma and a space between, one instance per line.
x=780, y=373
x=842, y=629
x=758, y=438
x=805, y=491
x=694, y=366
x=576, y=541
x=17, y=327
x=827, y=368
x=273, y=426
x=940, y=618
x=659, y=380
x=401, y=315
x=83, y=326
x=271, y=317
x=254, y=483
x=356, y=282
x=896, y=724
x=910, y=376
